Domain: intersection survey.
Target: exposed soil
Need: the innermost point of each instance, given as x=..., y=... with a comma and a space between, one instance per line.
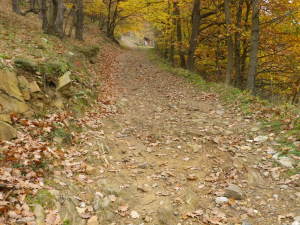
x=167, y=153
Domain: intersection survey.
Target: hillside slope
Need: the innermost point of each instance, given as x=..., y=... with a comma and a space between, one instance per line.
x=125, y=141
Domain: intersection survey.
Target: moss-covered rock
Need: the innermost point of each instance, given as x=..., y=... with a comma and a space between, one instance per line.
x=55, y=68
x=89, y=51
x=52, y=70
x=26, y=64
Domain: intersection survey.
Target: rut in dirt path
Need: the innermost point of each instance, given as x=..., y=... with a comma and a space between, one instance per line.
x=170, y=153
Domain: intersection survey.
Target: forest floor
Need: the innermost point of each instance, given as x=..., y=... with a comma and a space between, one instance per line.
x=168, y=155
x=154, y=149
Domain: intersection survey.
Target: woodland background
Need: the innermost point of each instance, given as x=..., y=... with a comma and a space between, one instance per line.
x=249, y=44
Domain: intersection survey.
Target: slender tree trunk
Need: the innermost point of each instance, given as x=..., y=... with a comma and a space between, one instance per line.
x=194, y=36
x=230, y=59
x=44, y=15
x=179, y=34
x=254, y=47
x=51, y=14
x=79, y=21
x=237, y=45
x=108, y=18
x=59, y=20
x=172, y=33
x=16, y=6
x=245, y=45
x=69, y=19
x=218, y=53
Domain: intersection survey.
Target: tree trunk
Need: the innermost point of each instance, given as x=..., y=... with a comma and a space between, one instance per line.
x=194, y=36
x=51, y=14
x=237, y=45
x=245, y=45
x=218, y=54
x=59, y=20
x=179, y=33
x=44, y=15
x=254, y=47
x=172, y=33
x=230, y=59
x=108, y=18
x=79, y=20
x=16, y=6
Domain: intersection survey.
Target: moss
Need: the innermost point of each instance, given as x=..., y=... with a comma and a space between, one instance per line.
x=54, y=68
x=67, y=222
x=43, y=198
x=89, y=51
x=26, y=64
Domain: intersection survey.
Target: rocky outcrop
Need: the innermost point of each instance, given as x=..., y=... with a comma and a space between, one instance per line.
x=11, y=101
x=11, y=97
x=9, y=85
x=34, y=87
x=24, y=87
x=7, y=132
x=64, y=81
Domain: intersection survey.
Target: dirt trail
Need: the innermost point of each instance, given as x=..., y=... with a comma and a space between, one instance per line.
x=166, y=156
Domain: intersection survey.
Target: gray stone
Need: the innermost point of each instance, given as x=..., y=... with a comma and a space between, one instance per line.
x=7, y=132
x=39, y=214
x=261, y=138
x=234, y=191
x=284, y=160
x=9, y=85
x=64, y=80
x=221, y=200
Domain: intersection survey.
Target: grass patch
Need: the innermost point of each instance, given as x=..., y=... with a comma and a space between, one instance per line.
x=67, y=222
x=43, y=198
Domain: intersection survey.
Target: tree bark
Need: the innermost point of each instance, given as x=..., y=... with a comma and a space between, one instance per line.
x=179, y=33
x=16, y=6
x=51, y=14
x=79, y=20
x=230, y=55
x=108, y=18
x=194, y=36
x=59, y=20
x=237, y=45
x=44, y=15
x=254, y=47
x=172, y=33
x=245, y=44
